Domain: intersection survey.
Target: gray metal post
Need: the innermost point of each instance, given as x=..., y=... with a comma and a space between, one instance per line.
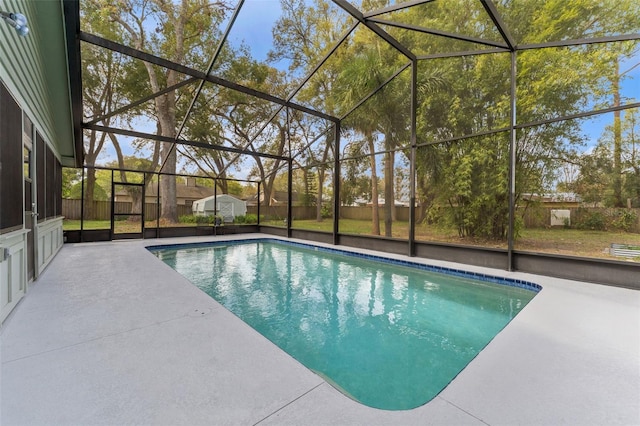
x=336, y=183
x=512, y=165
x=289, y=179
x=258, y=203
x=412, y=160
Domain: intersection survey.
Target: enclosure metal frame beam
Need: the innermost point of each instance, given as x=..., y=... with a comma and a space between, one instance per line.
x=293, y=157
x=165, y=63
x=296, y=90
x=351, y=10
x=581, y=41
x=439, y=33
x=250, y=143
x=517, y=127
x=395, y=7
x=71, y=10
x=376, y=90
x=258, y=202
x=461, y=54
x=322, y=61
x=413, y=158
x=533, y=124
x=578, y=115
x=512, y=162
x=289, y=178
x=336, y=185
x=160, y=138
x=495, y=16
x=212, y=62
x=161, y=173
x=142, y=100
x=301, y=150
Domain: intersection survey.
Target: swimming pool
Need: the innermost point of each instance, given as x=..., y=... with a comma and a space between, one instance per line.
x=389, y=334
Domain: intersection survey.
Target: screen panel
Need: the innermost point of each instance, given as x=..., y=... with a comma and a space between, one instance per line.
x=11, y=158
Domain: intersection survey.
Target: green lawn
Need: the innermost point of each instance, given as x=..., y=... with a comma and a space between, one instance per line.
x=553, y=240
x=74, y=225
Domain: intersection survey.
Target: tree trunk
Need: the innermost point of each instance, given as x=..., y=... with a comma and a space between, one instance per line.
x=617, y=140
x=89, y=194
x=223, y=185
x=375, y=217
x=167, y=186
x=328, y=141
x=166, y=109
x=136, y=202
x=392, y=191
x=319, y=194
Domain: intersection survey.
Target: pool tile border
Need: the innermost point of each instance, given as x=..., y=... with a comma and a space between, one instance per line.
x=527, y=285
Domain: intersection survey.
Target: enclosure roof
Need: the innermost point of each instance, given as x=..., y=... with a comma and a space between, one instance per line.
x=238, y=69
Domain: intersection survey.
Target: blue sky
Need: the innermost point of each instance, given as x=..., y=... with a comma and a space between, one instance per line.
x=254, y=24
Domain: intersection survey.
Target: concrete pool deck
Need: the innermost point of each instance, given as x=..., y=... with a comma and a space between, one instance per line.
x=111, y=335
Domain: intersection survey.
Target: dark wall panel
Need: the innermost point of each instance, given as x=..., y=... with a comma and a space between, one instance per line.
x=50, y=195
x=11, y=179
x=272, y=230
x=610, y=272
x=374, y=243
x=321, y=237
x=478, y=256
x=41, y=159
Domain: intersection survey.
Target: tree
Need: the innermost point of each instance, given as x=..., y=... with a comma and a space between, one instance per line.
x=602, y=181
x=70, y=178
x=593, y=181
x=631, y=155
x=354, y=182
x=364, y=73
x=103, y=77
x=470, y=176
x=179, y=31
x=304, y=35
x=312, y=145
x=615, y=77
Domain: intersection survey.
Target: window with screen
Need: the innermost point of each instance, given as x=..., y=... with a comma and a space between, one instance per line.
x=11, y=155
x=40, y=151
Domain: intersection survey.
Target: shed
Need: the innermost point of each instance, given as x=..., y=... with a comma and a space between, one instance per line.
x=227, y=206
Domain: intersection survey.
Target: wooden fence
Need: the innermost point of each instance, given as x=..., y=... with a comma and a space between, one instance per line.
x=72, y=209
x=366, y=213
x=308, y=213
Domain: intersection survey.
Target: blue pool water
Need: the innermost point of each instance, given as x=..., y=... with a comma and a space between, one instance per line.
x=388, y=335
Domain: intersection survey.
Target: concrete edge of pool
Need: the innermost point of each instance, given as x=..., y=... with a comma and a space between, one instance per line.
x=108, y=335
